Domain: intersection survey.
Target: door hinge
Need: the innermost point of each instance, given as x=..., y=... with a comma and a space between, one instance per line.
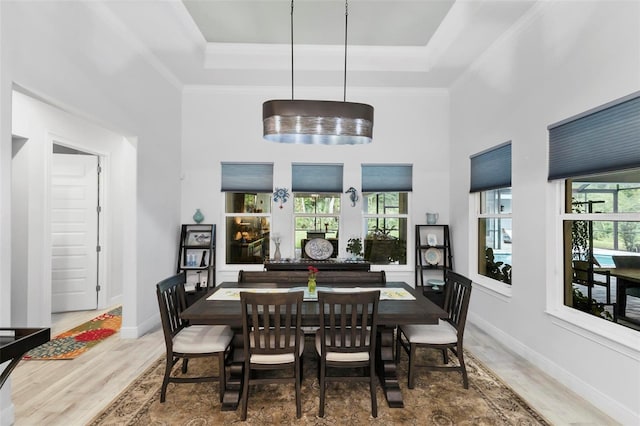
x=98, y=249
x=98, y=288
x=99, y=209
x=99, y=169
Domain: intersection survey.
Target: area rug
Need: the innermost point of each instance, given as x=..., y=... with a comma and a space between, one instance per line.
x=438, y=399
x=78, y=340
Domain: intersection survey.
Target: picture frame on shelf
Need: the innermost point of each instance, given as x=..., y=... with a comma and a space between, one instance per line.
x=198, y=238
x=432, y=240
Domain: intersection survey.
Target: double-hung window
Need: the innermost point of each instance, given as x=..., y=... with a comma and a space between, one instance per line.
x=247, y=189
x=596, y=155
x=491, y=187
x=317, y=189
x=385, y=190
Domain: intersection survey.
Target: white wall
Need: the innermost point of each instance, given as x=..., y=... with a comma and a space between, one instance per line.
x=76, y=55
x=410, y=126
x=39, y=125
x=567, y=57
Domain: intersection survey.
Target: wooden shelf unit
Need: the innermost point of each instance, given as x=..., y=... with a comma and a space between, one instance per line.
x=435, y=239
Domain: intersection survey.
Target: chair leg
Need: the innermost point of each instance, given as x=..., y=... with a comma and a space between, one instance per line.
x=398, y=345
x=412, y=356
x=463, y=368
x=165, y=381
x=222, y=374
x=372, y=388
x=245, y=391
x=322, y=387
x=298, y=369
x=185, y=363
x=445, y=356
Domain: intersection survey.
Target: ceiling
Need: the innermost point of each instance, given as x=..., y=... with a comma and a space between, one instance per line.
x=417, y=43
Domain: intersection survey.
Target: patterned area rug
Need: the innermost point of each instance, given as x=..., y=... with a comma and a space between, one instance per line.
x=78, y=340
x=438, y=399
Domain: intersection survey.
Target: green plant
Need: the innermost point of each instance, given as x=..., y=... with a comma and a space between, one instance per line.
x=582, y=302
x=497, y=270
x=354, y=246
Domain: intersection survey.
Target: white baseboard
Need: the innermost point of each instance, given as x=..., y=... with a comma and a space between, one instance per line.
x=141, y=329
x=7, y=415
x=603, y=402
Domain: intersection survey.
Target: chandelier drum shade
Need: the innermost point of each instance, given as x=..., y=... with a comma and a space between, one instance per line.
x=318, y=122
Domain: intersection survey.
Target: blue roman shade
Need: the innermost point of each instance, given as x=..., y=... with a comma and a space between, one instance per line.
x=247, y=177
x=601, y=140
x=316, y=177
x=491, y=169
x=387, y=177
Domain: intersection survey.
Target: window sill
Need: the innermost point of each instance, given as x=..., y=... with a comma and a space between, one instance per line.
x=498, y=288
x=609, y=334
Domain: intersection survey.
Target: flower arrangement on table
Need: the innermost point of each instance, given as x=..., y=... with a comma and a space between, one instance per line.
x=311, y=282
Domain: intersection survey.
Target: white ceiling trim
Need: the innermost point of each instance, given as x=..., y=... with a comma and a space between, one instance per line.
x=315, y=57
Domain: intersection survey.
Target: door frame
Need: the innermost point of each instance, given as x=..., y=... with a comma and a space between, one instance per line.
x=103, y=161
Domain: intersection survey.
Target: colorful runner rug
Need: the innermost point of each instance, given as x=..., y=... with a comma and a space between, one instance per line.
x=78, y=340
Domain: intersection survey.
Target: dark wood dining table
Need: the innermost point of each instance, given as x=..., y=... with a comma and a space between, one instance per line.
x=625, y=278
x=391, y=313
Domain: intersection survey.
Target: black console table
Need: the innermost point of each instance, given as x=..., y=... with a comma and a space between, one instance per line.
x=323, y=265
x=15, y=342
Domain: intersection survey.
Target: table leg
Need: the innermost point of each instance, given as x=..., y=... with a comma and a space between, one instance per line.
x=233, y=391
x=387, y=368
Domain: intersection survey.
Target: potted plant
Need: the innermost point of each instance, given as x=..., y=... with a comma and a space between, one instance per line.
x=354, y=246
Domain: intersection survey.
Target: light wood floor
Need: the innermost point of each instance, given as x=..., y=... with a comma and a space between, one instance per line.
x=70, y=393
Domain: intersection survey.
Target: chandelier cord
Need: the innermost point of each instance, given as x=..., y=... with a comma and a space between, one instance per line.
x=292, y=50
x=346, y=21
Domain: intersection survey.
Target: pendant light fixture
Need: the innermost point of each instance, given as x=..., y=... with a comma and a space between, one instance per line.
x=318, y=122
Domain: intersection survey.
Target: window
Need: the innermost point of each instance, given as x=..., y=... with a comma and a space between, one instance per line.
x=602, y=241
x=491, y=183
x=494, y=234
x=316, y=216
x=385, y=189
x=597, y=154
x=317, y=189
x=247, y=188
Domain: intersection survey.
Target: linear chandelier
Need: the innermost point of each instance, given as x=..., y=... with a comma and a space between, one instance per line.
x=318, y=122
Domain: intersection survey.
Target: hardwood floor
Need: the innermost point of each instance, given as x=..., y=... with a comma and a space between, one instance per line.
x=70, y=393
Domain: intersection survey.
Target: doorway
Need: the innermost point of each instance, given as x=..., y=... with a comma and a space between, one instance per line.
x=75, y=218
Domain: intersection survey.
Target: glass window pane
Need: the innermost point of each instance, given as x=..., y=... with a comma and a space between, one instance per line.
x=494, y=254
x=243, y=202
x=247, y=239
x=386, y=203
x=386, y=240
x=615, y=192
x=496, y=201
x=317, y=203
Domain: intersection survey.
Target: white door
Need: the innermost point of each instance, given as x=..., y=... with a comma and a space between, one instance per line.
x=74, y=227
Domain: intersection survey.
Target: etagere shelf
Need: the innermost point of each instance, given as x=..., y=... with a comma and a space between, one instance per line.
x=197, y=257
x=433, y=257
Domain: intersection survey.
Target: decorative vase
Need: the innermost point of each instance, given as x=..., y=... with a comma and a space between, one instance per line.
x=277, y=255
x=198, y=216
x=311, y=285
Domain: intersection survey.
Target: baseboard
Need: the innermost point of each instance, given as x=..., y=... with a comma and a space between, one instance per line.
x=141, y=329
x=598, y=399
x=7, y=415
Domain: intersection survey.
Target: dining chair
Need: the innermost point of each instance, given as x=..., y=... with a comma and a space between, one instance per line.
x=273, y=340
x=446, y=335
x=346, y=339
x=184, y=341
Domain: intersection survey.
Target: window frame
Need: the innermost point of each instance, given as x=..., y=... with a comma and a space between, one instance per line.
x=501, y=288
x=408, y=245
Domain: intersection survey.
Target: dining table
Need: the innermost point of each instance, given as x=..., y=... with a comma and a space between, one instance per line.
x=399, y=304
x=625, y=278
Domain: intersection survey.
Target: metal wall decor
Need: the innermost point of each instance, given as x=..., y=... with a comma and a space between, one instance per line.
x=280, y=195
x=353, y=195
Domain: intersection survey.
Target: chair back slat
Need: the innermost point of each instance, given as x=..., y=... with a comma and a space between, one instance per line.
x=171, y=301
x=348, y=321
x=271, y=323
x=457, y=296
